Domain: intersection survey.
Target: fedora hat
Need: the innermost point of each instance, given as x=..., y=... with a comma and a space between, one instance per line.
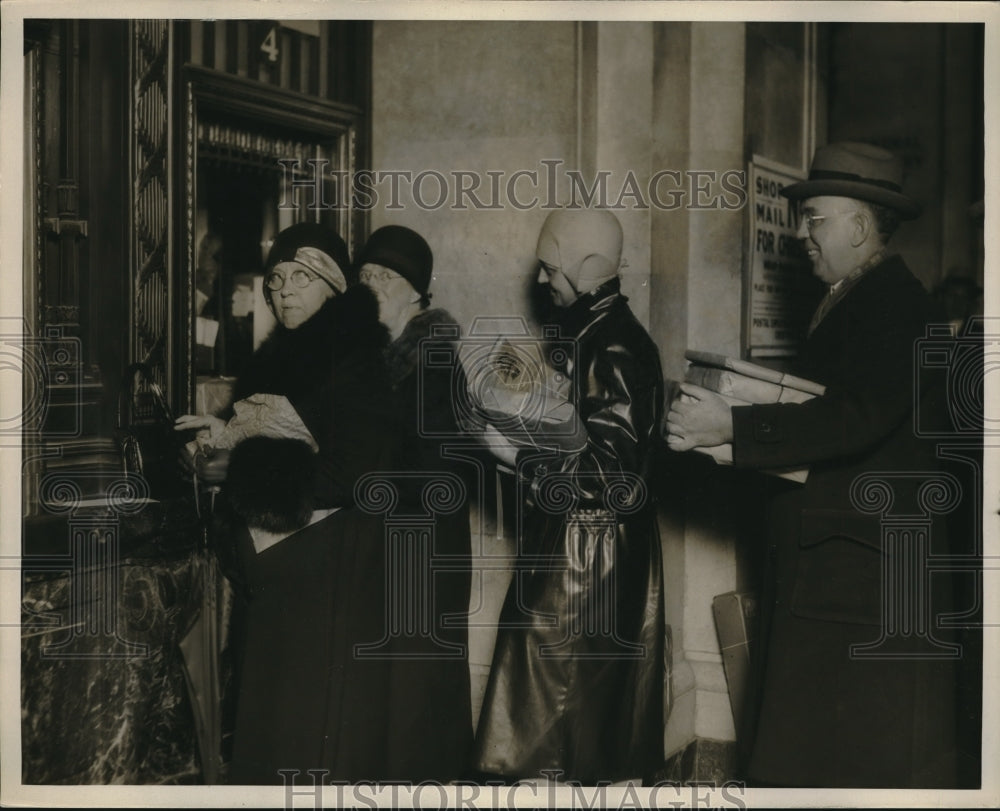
x=861, y=171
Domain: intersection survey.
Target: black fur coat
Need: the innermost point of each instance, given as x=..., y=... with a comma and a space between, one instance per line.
x=307, y=699
x=333, y=372
x=425, y=394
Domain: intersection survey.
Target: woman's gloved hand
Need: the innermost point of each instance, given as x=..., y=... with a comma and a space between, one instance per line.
x=208, y=427
x=199, y=457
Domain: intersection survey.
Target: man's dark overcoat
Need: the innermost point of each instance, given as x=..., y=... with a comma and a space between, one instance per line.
x=824, y=717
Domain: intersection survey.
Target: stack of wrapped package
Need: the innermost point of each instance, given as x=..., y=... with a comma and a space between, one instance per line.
x=741, y=383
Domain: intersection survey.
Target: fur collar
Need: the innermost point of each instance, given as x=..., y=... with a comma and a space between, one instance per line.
x=402, y=355
x=290, y=360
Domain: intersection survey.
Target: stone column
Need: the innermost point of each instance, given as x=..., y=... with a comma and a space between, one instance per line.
x=695, y=302
x=670, y=96
x=615, y=87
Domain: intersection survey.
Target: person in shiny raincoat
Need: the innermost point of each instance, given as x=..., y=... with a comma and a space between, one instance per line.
x=576, y=690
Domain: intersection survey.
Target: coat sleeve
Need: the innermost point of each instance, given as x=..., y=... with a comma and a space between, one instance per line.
x=430, y=411
x=874, y=397
x=620, y=404
x=351, y=421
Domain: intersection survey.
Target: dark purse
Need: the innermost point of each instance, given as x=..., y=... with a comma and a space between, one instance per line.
x=145, y=433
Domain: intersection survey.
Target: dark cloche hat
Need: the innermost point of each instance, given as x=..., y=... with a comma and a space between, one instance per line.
x=308, y=235
x=860, y=171
x=402, y=250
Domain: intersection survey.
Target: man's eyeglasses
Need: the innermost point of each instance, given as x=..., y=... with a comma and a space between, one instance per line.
x=812, y=220
x=299, y=278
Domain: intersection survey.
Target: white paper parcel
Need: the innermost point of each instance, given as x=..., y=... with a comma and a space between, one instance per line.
x=269, y=415
x=524, y=397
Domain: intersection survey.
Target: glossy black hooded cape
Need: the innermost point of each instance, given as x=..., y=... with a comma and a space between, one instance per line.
x=578, y=678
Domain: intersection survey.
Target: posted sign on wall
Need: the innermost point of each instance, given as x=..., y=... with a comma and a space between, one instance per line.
x=780, y=290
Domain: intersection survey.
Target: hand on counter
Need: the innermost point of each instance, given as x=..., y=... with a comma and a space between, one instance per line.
x=191, y=422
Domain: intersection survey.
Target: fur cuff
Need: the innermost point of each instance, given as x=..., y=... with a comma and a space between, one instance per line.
x=270, y=483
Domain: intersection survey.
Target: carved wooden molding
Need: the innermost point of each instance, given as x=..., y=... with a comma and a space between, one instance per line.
x=255, y=125
x=33, y=204
x=150, y=43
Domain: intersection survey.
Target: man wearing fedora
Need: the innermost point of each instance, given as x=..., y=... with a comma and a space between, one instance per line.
x=825, y=715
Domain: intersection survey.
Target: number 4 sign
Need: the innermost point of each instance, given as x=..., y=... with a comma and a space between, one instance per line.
x=270, y=44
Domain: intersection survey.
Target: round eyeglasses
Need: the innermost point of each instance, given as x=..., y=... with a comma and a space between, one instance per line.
x=299, y=278
x=813, y=220
x=378, y=275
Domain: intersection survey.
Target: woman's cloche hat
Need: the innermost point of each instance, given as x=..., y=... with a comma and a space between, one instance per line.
x=314, y=246
x=402, y=250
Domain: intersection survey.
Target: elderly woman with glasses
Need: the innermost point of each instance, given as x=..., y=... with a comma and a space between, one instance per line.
x=326, y=330
x=310, y=561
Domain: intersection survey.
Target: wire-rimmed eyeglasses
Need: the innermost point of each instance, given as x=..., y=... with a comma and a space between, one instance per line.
x=299, y=278
x=813, y=220
x=378, y=275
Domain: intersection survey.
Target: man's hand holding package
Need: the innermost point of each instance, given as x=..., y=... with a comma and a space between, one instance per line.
x=698, y=418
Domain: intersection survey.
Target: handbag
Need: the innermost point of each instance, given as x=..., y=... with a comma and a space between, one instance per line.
x=145, y=434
